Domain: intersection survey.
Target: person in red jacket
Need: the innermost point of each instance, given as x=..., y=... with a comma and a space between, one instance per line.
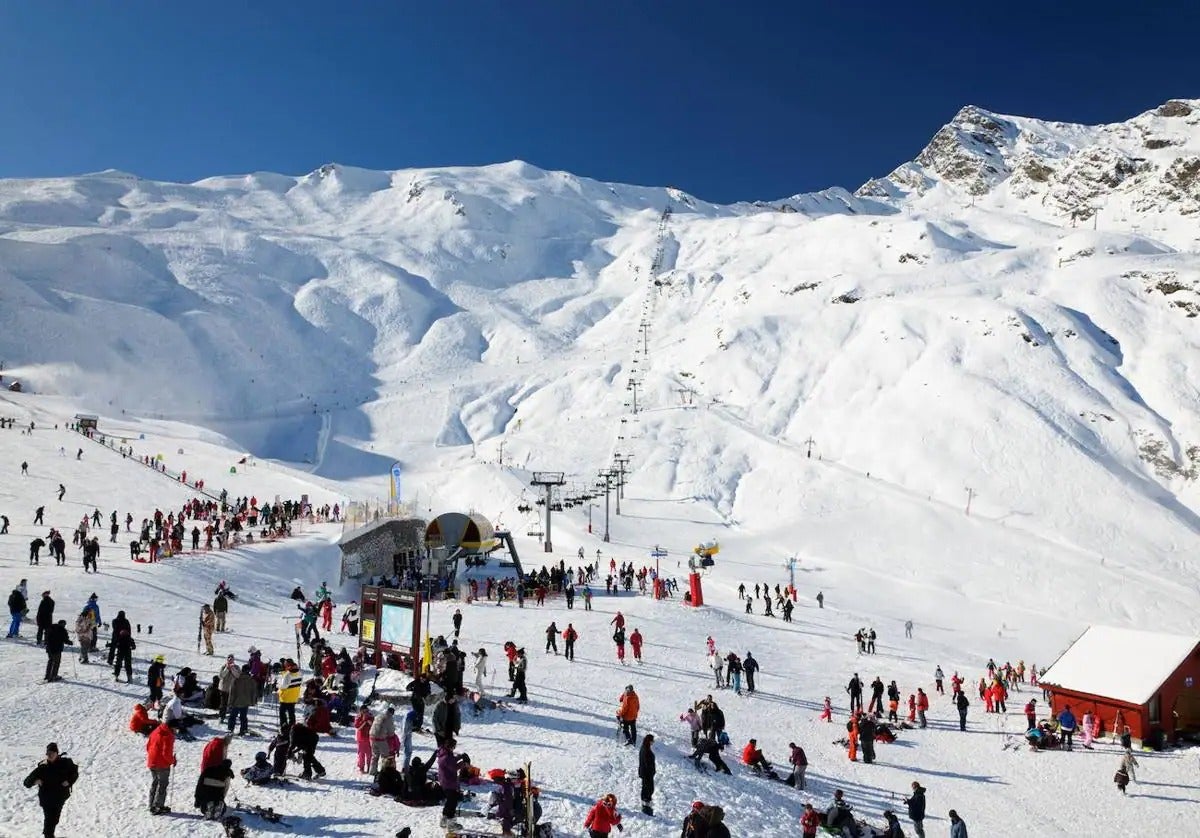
x=603, y=817
x=810, y=821
x=160, y=759
x=214, y=752
x=635, y=641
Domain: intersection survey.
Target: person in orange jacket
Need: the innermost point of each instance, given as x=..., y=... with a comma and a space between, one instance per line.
x=912, y=708
x=922, y=706
x=852, y=727
x=603, y=817
x=627, y=713
x=160, y=759
x=752, y=756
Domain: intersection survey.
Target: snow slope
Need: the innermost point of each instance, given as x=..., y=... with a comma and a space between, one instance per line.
x=953, y=333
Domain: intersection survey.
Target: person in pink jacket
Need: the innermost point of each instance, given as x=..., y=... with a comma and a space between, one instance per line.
x=362, y=738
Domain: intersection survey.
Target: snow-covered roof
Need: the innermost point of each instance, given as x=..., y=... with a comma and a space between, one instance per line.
x=1122, y=664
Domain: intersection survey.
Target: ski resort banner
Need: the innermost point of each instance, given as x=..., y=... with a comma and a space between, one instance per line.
x=394, y=484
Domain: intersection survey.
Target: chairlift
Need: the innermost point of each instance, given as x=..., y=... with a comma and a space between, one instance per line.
x=540, y=502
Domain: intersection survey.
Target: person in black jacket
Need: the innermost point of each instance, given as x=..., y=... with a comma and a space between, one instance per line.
x=962, y=704
x=646, y=769
x=419, y=687
x=447, y=719
x=866, y=737
x=916, y=808
x=211, y=787
x=304, y=742
x=16, y=609
x=122, y=645
x=749, y=667
x=706, y=746
x=54, y=776
x=855, y=689
x=119, y=623
x=45, y=616
x=56, y=638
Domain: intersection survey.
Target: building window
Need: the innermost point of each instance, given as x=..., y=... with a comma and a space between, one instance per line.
x=1155, y=710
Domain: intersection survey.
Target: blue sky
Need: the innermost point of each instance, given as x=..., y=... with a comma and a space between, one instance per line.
x=729, y=100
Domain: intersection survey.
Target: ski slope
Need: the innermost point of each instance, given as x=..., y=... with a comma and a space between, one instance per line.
x=960, y=601
x=830, y=377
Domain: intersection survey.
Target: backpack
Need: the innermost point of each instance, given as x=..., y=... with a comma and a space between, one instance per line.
x=722, y=738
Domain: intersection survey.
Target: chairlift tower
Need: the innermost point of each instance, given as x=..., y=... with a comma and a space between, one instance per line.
x=621, y=462
x=548, y=480
x=607, y=476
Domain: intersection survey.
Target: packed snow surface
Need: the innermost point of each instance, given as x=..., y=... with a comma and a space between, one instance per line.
x=1009, y=324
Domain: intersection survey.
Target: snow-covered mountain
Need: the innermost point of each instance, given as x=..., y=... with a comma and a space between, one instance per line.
x=1013, y=313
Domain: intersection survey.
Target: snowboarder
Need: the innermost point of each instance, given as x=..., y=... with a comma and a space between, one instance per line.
x=54, y=777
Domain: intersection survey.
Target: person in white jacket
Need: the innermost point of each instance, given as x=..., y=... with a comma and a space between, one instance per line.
x=481, y=660
x=382, y=731
x=716, y=662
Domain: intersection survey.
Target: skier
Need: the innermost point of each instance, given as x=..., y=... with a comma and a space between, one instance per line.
x=211, y=788
x=646, y=770
x=619, y=640
x=38, y=515
x=866, y=738
x=552, y=638
x=708, y=746
x=871, y=642
x=820, y=600
x=160, y=759
x=447, y=777
x=304, y=742
x=733, y=667
x=3, y=525
x=908, y=626
x=750, y=666
x=627, y=714
x=827, y=710
x=635, y=643
x=519, y=667
x=54, y=777
x=447, y=719
x=692, y=720
x=288, y=688
x=62, y=490
x=242, y=695
x=938, y=676
x=922, y=706
x=457, y=620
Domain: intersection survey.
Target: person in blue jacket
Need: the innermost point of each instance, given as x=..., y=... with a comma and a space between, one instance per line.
x=94, y=606
x=1066, y=722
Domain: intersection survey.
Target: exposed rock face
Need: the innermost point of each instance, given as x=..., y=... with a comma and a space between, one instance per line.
x=1070, y=172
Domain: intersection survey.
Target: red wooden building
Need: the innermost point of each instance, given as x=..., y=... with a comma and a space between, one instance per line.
x=1151, y=679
